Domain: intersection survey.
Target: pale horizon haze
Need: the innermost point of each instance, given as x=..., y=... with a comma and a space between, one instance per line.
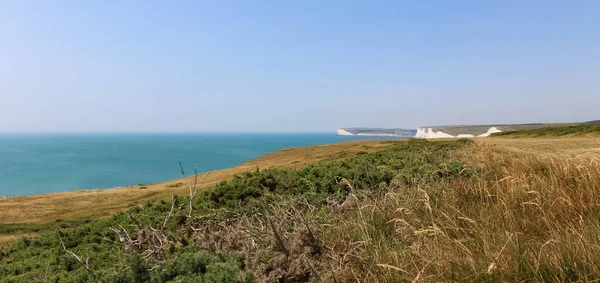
x=294, y=66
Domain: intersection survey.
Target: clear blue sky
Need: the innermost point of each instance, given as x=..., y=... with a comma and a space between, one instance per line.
x=270, y=66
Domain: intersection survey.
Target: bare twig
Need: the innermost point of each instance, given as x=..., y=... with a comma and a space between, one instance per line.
x=85, y=264
x=170, y=212
x=193, y=194
x=278, y=239
x=194, y=188
x=132, y=218
x=181, y=167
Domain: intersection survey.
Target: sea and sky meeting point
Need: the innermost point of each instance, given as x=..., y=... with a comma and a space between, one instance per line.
x=299, y=141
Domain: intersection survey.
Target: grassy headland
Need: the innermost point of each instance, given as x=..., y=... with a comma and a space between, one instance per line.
x=28, y=215
x=414, y=211
x=592, y=127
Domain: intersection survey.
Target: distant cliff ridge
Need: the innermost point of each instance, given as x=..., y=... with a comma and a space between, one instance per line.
x=459, y=131
x=455, y=132
x=376, y=132
x=471, y=131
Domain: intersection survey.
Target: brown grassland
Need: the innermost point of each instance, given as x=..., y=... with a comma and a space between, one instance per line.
x=93, y=204
x=533, y=214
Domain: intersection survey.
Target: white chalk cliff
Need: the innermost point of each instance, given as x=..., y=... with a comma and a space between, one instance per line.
x=490, y=131
x=429, y=133
x=343, y=132
x=375, y=132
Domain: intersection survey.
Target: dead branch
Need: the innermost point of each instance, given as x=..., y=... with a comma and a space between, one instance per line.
x=170, y=212
x=85, y=265
x=278, y=239
x=194, y=188
x=132, y=218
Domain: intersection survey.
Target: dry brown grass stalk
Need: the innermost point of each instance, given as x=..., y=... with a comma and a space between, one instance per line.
x=526, y=216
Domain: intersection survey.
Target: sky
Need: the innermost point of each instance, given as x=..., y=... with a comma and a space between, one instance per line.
x=294, y=66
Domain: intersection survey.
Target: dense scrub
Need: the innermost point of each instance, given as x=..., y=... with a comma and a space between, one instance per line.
x=586, y=128
x=420, y=211
x=166, y=241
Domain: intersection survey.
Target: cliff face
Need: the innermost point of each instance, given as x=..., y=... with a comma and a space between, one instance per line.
x=376, y=132
x=428, y=133
x=342, y=132
x=458, y=132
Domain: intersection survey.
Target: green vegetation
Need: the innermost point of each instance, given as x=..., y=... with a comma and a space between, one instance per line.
x=421, y=210
x=25, y=228
x=585, y=128
x=113, y=258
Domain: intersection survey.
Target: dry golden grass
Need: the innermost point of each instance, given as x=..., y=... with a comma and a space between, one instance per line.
x=103, y=203
x=532, y=214
x=567, y=144
x=9, y=239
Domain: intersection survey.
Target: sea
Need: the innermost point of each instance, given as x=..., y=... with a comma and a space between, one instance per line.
x=46, y=163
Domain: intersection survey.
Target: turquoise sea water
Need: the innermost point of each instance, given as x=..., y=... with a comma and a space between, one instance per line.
x=44, y=163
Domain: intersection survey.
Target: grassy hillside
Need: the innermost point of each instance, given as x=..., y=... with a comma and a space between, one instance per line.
x=31, y=215
x=592, y=127
x=417, y=211
x=28, y=215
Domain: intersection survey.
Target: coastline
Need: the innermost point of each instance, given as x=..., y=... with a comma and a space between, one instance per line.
x=345, y=132
x=56, y=163
x=99, y=203
x=377, y=135
x=383, y=135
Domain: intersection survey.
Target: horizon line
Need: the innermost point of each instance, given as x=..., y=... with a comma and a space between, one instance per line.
x=167, y=132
